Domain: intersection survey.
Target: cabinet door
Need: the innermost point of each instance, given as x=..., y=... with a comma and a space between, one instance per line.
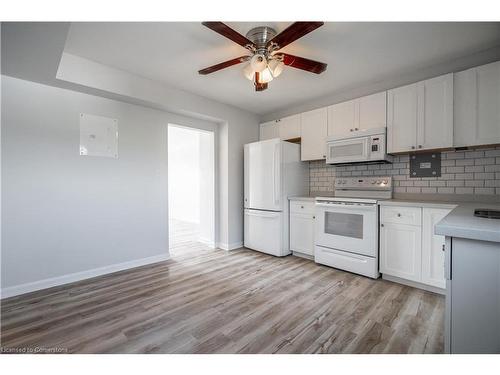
x=302, y=233
x=402, y=118
x=289, y=127
x=400, y=251
x=342, y=119
x=435, y=113
x=313, y=134
x=372, y=111
x=433, y=248
x=268, y=130
x=477, y=103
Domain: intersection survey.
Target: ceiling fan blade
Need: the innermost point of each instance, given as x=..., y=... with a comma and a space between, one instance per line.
x=223, y=65
x=225, y=30
x=293, y=32
x=303, y=63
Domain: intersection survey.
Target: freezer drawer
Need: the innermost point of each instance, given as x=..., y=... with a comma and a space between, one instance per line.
x=344, y=260
x=264, y=232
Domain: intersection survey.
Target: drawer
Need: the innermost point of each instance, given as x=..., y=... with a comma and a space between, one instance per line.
x=346, y=261
x=401, y=215
x=302, y=207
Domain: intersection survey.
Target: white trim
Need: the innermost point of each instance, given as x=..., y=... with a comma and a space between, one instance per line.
x=414, y=284
x=206, y=241
x=231, y=246
x=77, y=276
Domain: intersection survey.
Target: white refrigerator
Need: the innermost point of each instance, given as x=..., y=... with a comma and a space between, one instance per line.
x=273, y=172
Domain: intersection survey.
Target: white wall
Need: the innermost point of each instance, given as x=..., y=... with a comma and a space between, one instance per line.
x=64, y=214
x=184, y=174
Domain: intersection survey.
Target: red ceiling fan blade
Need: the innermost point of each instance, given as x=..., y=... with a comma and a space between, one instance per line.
x=225, y=30
x=293, y=32
x=303, y=63
x=223, y=65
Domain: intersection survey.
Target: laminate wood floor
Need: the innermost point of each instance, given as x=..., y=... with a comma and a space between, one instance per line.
x=212, y=301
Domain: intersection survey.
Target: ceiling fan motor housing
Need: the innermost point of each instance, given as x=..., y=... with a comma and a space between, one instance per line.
x=260, y=36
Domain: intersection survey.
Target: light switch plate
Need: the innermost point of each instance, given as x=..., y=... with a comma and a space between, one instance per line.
x=98, y=136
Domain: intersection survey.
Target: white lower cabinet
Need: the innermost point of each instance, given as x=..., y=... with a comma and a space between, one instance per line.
x=302, y=227
x=409, y=249
x=433, y=248
x=401, y=250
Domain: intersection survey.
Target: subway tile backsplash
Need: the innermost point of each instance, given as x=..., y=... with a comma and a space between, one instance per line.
x=462, y=172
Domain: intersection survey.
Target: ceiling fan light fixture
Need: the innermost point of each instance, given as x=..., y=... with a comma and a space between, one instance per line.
x=258, y=62
x=248, y=72
x=265, y=76
x=276, y=67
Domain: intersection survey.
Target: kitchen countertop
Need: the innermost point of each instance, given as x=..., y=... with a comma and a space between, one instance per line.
x=418, y=203
x=462, y=223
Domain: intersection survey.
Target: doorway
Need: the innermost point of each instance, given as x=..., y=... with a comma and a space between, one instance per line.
x=191, y=190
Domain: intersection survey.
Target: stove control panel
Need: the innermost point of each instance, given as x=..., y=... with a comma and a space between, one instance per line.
x=363, y=183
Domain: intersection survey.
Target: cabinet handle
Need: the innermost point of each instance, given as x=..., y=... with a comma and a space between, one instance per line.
x=314, y=217
x=351, y=129
x=301, y=206
x=356, y=129
x=419, y=146
x=443, y=247
x=413, y=147
x=324, y=156
x=381, y=225
x=399, y=215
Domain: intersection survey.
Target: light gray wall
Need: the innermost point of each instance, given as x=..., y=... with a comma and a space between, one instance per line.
x=63, y=213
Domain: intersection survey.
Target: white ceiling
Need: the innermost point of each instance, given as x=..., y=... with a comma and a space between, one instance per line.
x=356, y=53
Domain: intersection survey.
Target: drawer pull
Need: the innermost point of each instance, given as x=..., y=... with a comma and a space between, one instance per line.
x=301, y=206
x=399, y=215
x=381, y=225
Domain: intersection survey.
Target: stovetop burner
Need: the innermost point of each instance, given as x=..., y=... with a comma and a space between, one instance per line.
x=488, y=214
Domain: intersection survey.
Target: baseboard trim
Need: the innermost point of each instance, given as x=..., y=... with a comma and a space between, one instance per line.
x=231, y=246
x=78, y=276
x=414, y=284
x=208, y=242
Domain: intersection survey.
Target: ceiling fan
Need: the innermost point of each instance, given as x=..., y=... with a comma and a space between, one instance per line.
x=265, y=62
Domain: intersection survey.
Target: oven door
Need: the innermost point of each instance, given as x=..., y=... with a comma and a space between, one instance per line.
x=347, y=226
x=348, y=150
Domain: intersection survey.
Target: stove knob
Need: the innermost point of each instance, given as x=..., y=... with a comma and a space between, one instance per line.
x=384, y=182
x=373, y=182
x=378, y=182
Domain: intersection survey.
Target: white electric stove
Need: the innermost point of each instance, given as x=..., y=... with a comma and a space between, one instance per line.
x=347, y=225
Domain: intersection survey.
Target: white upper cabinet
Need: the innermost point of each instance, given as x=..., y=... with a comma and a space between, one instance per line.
x=372, y=111
x=435, y=110
x=477, y=106
x=289, y=127
x=314, y=127
x=268, y=130
x=420, y=115
x=342, y=118
x=359, y=114
x=402, y=118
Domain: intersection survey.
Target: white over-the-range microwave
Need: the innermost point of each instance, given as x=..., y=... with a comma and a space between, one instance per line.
x=360, y=147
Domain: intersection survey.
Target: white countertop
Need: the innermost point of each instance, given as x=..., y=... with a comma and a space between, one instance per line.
x=302, y=198
x=462, y=223
x=418, y=203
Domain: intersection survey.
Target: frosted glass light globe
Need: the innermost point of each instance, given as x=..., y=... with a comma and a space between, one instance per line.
x=276, y=67
x=258, y=63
